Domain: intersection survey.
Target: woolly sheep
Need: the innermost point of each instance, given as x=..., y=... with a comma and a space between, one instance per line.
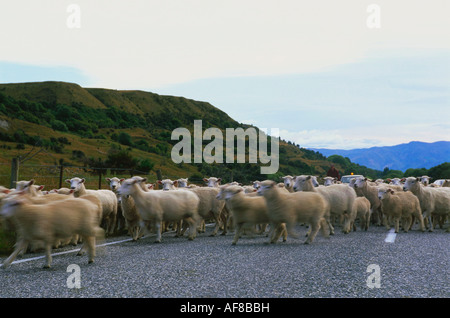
x=247, y=210
x=107, y=197
x=361, y=211
x=400, y=205
x=446, y=183
x=362, y=185
x=289, y=182
x=209, y=206
x=168, y=184
x=290, y=208
x=155, y=207
x=327, y=181
x=433, y=201
x=340, y=198
x=50, y=222
x=212, y=181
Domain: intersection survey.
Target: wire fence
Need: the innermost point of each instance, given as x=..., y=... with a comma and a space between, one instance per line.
x=54, y=176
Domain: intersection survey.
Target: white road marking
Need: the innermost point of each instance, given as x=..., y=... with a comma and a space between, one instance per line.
x=390, y=238
x=65, y=252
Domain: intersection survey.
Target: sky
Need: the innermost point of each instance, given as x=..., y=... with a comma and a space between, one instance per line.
x=328, y=74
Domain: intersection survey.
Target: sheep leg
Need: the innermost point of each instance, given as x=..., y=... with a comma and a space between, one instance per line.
x=237, y=233
x=192, y=228
x=90, y=242
x=48, y=255
x=20, y=246
x=158, y=232
x=314, y=229
x=216, y=228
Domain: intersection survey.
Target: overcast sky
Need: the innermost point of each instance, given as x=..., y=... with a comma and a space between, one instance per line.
x=329, y=74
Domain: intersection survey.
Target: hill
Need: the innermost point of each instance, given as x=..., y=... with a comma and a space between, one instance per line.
x=414, y=154
x=97, y=127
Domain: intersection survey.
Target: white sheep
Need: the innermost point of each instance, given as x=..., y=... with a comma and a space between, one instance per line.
x=425, y=180
x=289, y=182
x=361, y=211
x=327, y=181
x=107, y=198
x=210, y=206
x=400, y=205
x=156, y=207
x=340, y=198
x=364, y=187
x=433, y=201
x=247, y=210
x=292, y=207
x=168, y=184
x=50, y=222
x=212, y=181
x=30, y=187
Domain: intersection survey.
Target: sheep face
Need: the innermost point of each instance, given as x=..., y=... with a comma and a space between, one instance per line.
x=228, y=192
x=168, y=184
x=265, y=186
x=288, y=181
x=411, y=184
x=327, y=181
x=75, y=183
x=9, y=206
x=182, y=183
x=360, y=182
x=256, y=184
x=212, y=181
x=114, y=183
x=127, y=187
x=384, y=193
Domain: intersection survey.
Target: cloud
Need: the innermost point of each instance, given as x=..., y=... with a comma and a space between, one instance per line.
x=366, y=137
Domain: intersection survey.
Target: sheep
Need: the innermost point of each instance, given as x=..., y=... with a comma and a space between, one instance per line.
x=107, y=197
x=50, y=222
x=289, y=182
x=155, y=207
x=291, y=207
x=209, y=206
x=256, y=184
x=433, y=201
x=127, y=206
x=363, y=186
x=425, y=180
x=168, y=184
x=402, y=205
x=247, y=210
x=327, y=181
x=30, y=187
x=340, y=198
x=212, y=181
x=446, y=183
x=361, y=210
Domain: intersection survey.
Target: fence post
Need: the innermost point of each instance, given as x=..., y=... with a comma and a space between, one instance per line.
x=14, y=172
x=99, y=179
x=158, y=174
x=61, y=169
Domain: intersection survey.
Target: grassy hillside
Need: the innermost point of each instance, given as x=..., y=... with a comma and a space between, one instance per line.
x=80, y=126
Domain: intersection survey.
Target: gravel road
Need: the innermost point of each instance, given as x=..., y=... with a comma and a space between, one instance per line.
x=414, y=265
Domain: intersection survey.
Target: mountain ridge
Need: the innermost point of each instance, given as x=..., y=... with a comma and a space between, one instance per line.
x=414, y=154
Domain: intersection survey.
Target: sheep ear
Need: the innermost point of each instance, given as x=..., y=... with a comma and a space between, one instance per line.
x=31, y=182
x=219, y=180
x=82, y=180
x=159, y=182
x=41, y=187
x=204, y=179
x=308, y=177
x=108, y=179
x=144, y=180
x=121, y=180
x=175, y=182
x=417, y=179
x=67, y=180
x=71, y=191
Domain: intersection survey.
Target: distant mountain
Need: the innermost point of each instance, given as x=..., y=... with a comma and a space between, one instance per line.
x=415, y=154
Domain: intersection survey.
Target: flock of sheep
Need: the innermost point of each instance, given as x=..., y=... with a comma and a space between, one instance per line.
x=78, y=215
